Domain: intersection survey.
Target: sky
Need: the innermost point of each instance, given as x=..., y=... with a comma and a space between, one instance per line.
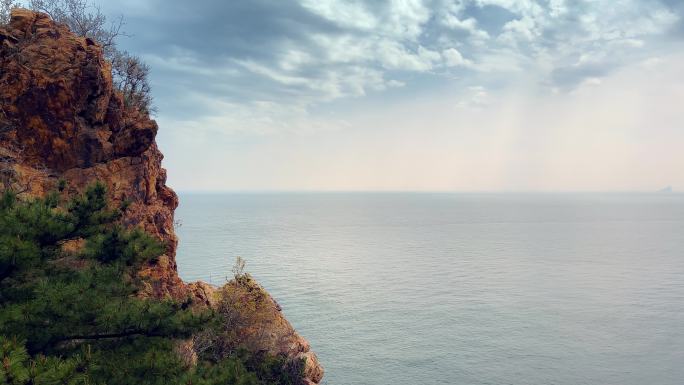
x=417, y=95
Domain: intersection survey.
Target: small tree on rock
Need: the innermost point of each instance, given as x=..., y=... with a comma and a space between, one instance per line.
x=130, y=75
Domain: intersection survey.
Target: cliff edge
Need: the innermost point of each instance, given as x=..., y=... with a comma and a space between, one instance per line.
x=62, y=120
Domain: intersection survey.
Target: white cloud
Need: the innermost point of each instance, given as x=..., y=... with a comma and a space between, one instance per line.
x=273, y=71
x=591, y=82
x=352, y=14
x=453, y=58
x=400, y=19
x=405, y=18
x=294, y=59
x=273, y=74
x=412, y=35
x=372, y=51
x=525, y=29
x=319, y=51
x=475, y=97
x=262, y=117
x=450, y=16
x=557, y=8
x=452, y=21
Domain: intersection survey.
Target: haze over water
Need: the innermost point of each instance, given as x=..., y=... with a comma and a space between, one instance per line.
x=404, y=288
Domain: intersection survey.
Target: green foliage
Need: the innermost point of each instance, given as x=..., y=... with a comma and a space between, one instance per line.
x=14, y=358
x=18, y=368
x=128, y=247
x=238, y=329
x=75, y=317
x=273, y=370
x=61, y=185
x=230, y=371
x=90, y=214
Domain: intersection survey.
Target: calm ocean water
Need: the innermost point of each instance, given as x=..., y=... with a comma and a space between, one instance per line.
x=420, y=289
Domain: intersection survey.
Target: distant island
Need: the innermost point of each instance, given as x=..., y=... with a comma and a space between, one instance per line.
x=667, y=189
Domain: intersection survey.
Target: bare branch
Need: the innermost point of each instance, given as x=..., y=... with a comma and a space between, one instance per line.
x=86, y=19
x=6, y=7
x=131, y=78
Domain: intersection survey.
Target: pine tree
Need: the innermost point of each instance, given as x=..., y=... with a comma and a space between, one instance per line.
x=74, y=317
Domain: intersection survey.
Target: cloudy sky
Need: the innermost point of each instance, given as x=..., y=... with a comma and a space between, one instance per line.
x=471, y=95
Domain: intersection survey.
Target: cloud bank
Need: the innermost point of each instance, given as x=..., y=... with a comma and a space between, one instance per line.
x=312, y=51
x=260, y=67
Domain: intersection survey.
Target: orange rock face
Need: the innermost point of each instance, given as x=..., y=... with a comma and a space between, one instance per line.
x=60, y=118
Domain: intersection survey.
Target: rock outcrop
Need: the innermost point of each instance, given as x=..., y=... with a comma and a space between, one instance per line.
x=62, y=119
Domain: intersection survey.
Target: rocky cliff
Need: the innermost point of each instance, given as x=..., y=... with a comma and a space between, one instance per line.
x=62, y=120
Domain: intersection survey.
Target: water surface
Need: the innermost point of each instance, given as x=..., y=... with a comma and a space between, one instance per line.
x=402, y=288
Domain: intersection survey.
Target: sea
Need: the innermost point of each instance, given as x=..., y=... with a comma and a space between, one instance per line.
x=460, y=288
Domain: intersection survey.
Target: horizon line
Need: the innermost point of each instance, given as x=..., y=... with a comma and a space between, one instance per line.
x=322, y=191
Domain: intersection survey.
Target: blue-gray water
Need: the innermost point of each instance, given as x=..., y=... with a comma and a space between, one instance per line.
x=421, y=289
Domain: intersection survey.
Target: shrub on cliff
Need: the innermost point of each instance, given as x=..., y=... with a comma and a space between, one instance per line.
x=130, y=75
x=84, y=18
x=5, y=8
x=70, y=309
x=240, y=325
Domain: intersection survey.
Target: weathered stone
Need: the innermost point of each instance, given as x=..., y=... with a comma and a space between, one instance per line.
x=67, y=122
x=61, y=119
x=313, y=370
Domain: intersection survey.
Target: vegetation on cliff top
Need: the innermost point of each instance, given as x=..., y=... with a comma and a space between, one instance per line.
x=85, y=19
x=72, y=313
x=74, y=304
